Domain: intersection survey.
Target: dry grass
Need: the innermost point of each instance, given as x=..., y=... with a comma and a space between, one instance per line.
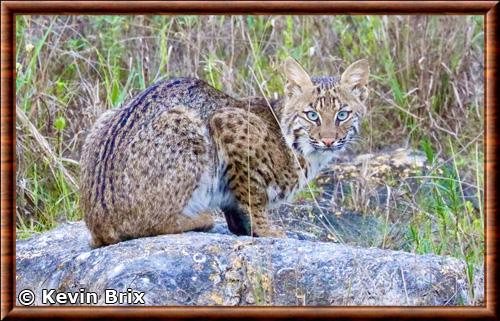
x=426, y=93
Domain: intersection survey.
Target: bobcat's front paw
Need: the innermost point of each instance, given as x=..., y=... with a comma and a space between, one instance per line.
x=270, y=233
x=204, y=222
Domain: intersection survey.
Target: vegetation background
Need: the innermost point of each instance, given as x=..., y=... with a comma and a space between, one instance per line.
x=426, y=94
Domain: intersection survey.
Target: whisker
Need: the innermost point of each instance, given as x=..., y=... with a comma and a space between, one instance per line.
x=324, y=218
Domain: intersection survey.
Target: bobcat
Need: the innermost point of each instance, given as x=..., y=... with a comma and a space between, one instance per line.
x=181, y=148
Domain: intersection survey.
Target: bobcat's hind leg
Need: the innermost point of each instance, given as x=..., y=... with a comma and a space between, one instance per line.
x=201, y=222
x=102, y=239
x=178, y=165
x=183, y=223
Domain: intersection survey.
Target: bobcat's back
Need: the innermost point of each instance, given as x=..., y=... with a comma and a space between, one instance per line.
x=143, y=161
x=182, y=148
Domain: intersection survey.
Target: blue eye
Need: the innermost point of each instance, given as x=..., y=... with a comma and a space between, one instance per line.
x=312, y=115
x=342, y=115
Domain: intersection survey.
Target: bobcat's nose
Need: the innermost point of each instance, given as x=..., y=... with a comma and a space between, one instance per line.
x=328, y=141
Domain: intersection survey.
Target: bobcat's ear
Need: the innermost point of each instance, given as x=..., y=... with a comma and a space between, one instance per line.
x=297, y=78
x=355, y=78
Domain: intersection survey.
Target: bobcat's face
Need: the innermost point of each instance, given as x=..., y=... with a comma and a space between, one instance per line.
x=322, y=114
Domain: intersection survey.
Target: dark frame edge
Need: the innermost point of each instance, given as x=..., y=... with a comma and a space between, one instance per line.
x=10, y=8
x=251, y=7
x=7, y=163
x=158, y=313
x=492, y=89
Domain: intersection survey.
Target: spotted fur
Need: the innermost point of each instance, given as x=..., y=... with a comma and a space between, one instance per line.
x=180, y=149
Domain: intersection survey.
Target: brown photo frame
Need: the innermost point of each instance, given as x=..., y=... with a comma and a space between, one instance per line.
x=11, y=8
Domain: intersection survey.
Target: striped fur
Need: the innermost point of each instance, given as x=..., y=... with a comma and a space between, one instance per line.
x=180, y=149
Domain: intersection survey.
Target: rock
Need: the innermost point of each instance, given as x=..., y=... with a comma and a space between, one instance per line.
x=349, y=196
x=218, y=269
x=304, y=220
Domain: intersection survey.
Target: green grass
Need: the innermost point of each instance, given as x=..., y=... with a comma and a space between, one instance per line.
x=426, y=93
x=446, y=213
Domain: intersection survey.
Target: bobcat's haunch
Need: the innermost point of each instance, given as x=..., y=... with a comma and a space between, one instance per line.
x=181, y=148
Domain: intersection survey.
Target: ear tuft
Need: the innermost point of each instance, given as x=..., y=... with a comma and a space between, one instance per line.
x=297, y=77
x=356, y=75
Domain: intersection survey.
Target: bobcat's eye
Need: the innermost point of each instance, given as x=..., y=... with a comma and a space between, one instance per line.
x=342, y=115
x=312, y=115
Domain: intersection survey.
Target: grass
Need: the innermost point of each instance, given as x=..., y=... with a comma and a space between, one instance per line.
x=452, y=215
x=426, y=93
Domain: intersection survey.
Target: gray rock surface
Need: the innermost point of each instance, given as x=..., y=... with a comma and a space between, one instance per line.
x=219, y=269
